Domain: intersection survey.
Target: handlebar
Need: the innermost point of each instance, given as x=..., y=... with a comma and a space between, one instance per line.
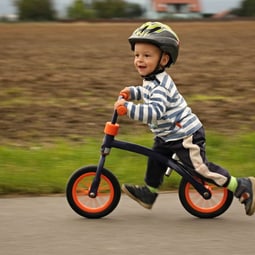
x=111, y=128
x=122, y=110
x=124, y=95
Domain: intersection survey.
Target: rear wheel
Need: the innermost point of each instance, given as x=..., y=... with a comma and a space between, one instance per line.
x=196, y=205
x=77, y=193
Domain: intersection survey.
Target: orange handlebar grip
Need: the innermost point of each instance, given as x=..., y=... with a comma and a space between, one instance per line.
x=124, y=95
x=111, y=129
x=122, y=110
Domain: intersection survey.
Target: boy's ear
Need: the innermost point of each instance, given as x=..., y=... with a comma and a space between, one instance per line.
x=165, y=59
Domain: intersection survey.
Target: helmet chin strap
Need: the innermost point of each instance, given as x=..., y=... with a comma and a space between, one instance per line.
x=157, y=70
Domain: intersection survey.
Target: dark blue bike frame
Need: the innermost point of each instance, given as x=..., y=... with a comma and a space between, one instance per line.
x=110, y=142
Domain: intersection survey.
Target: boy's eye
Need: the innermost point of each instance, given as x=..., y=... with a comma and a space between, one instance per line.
x=137, y=55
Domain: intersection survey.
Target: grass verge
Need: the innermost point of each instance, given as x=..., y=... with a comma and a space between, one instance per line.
x=45, y=170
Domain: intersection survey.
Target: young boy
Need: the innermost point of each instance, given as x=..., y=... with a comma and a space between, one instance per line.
x=176, y=129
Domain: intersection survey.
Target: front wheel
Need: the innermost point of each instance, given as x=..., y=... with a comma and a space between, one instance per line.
x=77, y=192
x=196, y=205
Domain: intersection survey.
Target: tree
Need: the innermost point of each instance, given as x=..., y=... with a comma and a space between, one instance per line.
x=133, y=10
x=247, y=9
x=78, y=10
x=109, y=8
x=116, y=9
x=35, y=10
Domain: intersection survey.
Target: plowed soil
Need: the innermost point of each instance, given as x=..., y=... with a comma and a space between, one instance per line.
x=60, y=80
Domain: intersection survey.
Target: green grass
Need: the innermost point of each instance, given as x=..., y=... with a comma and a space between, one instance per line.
x=46, y=169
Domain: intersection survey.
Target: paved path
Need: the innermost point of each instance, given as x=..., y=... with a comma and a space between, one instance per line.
x=48, y=226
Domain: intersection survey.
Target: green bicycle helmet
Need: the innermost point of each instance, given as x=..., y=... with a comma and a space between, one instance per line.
x=160, y=35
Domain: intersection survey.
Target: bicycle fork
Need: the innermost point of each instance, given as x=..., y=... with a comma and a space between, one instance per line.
x=96, y=181
x=105, y=151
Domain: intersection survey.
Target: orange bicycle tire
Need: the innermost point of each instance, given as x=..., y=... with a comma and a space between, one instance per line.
x=195, y=204
x=78, y=187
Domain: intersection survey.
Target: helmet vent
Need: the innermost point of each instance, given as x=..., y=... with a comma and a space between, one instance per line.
x=142, y=30
x=154, y=29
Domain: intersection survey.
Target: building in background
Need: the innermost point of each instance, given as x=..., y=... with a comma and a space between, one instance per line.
x=176, y=8
x=154, y=9
x=187, y=8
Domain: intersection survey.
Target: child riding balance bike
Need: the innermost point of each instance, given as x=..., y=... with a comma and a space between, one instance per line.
x=177, y=130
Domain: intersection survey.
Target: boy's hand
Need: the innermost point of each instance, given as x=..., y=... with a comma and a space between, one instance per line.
x=119, y=103
x=125, y=93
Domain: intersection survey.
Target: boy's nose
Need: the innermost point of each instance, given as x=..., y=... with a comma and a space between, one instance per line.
x=139, y=59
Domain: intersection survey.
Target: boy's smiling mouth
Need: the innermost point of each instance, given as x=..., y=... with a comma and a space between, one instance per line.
x=141, y=67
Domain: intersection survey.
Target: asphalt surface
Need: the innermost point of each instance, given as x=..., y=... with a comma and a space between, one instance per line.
x=48, y=226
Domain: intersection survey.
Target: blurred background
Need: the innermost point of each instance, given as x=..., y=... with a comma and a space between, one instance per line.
x=73, y=9
x=60, y=79
x=63, y=64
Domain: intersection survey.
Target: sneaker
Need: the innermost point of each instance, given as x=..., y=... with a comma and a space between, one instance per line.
x=245, y=192
x=142, y=195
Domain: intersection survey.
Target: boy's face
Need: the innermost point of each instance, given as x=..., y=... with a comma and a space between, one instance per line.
x=147, y=57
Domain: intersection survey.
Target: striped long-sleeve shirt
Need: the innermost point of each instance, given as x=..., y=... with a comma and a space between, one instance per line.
x=164, y=109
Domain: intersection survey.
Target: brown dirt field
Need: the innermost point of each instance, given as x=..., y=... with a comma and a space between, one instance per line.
x=61, y=80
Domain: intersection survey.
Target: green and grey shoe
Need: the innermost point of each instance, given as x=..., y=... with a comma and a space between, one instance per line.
x=245, y=192
x=140, y=194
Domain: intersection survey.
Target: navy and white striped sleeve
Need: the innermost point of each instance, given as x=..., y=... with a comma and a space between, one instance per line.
x=135, y=92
